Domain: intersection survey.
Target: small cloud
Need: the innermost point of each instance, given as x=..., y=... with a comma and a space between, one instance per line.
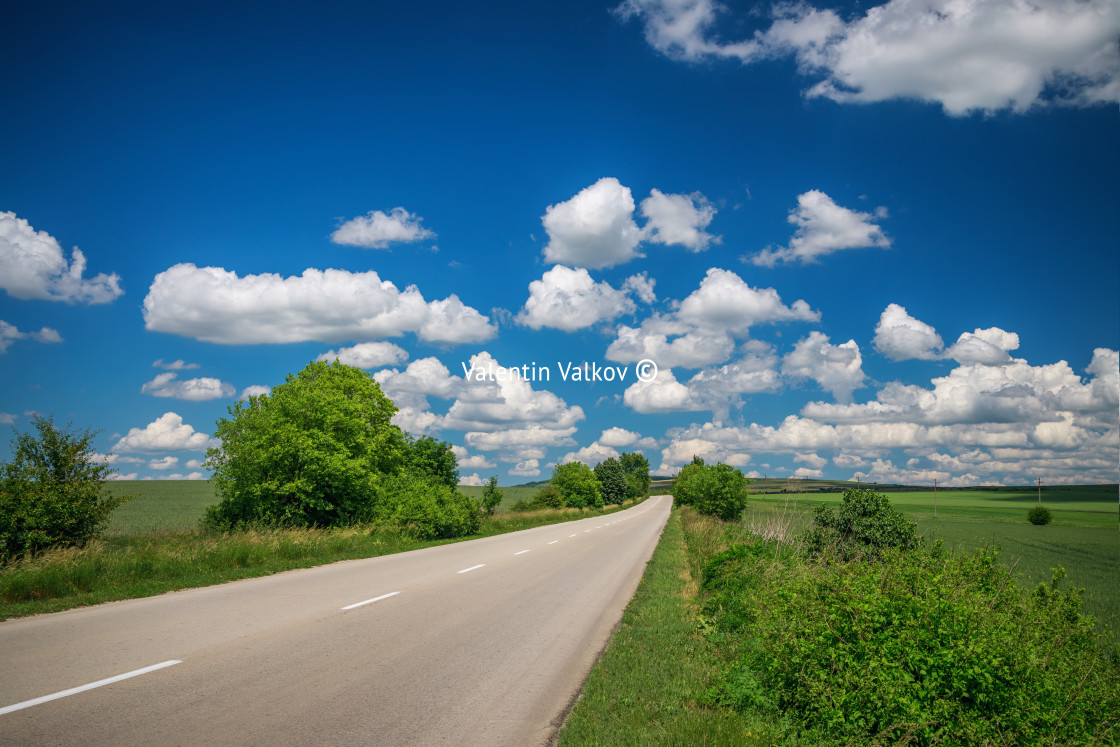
x=376, y=230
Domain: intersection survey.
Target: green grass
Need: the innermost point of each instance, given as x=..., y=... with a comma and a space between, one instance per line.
x=645, y=687
x=127, y=566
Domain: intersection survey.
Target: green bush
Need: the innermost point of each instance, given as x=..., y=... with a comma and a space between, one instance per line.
x=636, y=467
x=1039, y=515
x=52, y=493
x=434, y=459
x=577, y=483
x=428, y=508
x=863, y=524
x=612, y=481
x=923, y=646
x=713, y=489
x=491, y=496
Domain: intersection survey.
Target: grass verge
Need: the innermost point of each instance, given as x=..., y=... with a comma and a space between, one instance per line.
x=127, y=566
x=644, y=689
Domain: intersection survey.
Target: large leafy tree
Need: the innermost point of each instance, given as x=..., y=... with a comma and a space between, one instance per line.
x=52, y=493
x=313, y=452
x=636, y=467
x=578, y=484
x=612, y=481
x=433, y=459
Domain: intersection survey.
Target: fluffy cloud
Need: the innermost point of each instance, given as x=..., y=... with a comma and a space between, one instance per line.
x=472, y=480
x=368, y=355
x=590, y=455
x=662, y=394
x=618, y=437
x=595, y=228
x=163, y=463
x=9, y=333
x=723, y=301
x=32, y=265
x=166, y=433
x=215, y=305
x=838, y=369
x=689, y=348
x=965, y=56
x=900, y=336
x=192, y=390
x=467, y=461
x=823, y=227
x=255, y=390
x=719, y=388
x=679, y=219
x=376, y=230
x=987, y=346
x=568, y=299
x=528, y=468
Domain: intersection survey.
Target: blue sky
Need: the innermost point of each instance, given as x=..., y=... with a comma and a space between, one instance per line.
x=875, y=241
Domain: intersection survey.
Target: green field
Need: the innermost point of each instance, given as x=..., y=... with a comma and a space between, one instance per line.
x=509, y=495
x=1083, y=538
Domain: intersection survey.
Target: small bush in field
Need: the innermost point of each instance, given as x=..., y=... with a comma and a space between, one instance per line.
x=1039, y=515
x=713, y=489
x=491, y=497
x=863, y=524
x=429, y=509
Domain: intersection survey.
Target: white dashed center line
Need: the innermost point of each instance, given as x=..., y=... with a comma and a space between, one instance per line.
x=553, y=542
x=90, y=686
x=472, y=568
x=521, y=553
x=371, y=601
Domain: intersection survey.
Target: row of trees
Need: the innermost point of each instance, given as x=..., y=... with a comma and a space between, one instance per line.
x=575, y=485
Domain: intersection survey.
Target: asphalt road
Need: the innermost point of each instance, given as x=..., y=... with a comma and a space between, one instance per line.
x=484, y=642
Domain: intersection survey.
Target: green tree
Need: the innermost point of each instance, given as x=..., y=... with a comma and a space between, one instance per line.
x=52, y=493
x=865, y=523
x=435, y=459
x=612, y=481
x=427, y=508
x=313, y=452
x=636, y=467
x=491, y=496
x=578, y=484
x=715, y=489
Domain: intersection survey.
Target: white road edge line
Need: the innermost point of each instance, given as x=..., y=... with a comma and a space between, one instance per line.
x=521, y=553
x=90, y=686
x=371, y=601
x=472, y=568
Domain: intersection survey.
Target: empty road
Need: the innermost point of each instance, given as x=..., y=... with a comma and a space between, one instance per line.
x=483, y=642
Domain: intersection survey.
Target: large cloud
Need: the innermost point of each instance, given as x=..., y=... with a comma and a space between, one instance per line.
x=215, y=305
x=168, y=432
x=9, y=333
x=193, y=390
x=377, y=229
x=595, y=228
x=965, y=56
x=823, y=227
x=568, y=299
x=900, y=336
x=32, y=265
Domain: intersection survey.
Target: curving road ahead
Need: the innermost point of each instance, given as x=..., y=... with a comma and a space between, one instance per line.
x=483, y=642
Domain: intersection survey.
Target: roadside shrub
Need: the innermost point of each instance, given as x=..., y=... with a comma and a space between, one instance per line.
x=549, y=496
x=612, y=481
x=713, y=489
x=429, y=509
x=636, y=467
x=491, y=496
x=434, y=459
x=923, y=647
x=52, y=493
x=1039, y=515
x=863, y=524
x=577, y=483
x=683, y=489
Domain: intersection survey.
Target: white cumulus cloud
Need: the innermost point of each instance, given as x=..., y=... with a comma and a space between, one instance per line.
x=216, y=305
x=568, y=299
x=838, y=369
x=594, y=229
x=724, y=301
x=168, y=432
x=167, y=384
x=823, y=227
x=965, y=56
x=32, y=265
x=368, y=355
x=901, y=337
x=679, y=219
x=376, y=230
